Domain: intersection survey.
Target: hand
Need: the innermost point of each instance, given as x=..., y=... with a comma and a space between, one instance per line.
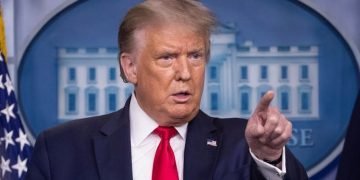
x=267, y=130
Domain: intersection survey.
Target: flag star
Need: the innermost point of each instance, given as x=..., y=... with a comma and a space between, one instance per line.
x=5, y=166
x=2, y=139
x=8, y=111
x=8, y=84
x=20, y=166
x=8, y=138
x=1, y=83
x=22, y=139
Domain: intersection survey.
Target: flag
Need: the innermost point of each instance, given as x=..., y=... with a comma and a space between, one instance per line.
x=211, y=142
x=15, y=148
x=349, y=167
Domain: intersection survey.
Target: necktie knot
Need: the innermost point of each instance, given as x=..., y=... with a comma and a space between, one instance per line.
x=165, y=133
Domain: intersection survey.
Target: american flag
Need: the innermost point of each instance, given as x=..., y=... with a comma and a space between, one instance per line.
x=15, y=149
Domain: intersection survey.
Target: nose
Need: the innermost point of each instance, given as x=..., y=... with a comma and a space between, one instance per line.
x=182, y=69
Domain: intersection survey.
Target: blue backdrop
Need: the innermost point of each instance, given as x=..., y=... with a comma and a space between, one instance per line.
x=93, y=24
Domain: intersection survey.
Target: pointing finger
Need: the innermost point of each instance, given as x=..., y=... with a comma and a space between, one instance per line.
x=264, y=103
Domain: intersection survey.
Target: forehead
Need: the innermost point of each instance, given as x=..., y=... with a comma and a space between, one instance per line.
x=170, y=34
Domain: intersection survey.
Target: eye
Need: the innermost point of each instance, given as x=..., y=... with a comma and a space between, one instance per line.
x=167, y=57
x=196, y=56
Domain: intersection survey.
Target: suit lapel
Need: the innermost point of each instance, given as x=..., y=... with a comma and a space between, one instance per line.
x=113, y=149
x=201, y=149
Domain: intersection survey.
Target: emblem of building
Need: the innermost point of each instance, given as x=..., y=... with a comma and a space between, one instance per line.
x=237, y=76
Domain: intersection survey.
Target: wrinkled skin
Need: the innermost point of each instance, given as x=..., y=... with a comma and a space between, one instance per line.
x=167, y=68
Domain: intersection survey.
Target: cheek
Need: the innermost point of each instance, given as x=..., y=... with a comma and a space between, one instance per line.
x=199, y=76
x=155, y=82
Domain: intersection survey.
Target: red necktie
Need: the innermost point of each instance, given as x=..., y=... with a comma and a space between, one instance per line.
x=164, y=167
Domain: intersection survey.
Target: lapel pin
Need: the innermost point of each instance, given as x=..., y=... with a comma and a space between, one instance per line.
x=211, y=142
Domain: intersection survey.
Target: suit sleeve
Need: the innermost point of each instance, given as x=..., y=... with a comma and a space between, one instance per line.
x=294, y=169
x=39, y=168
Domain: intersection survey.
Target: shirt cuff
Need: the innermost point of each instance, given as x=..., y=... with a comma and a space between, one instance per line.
x=269, y=171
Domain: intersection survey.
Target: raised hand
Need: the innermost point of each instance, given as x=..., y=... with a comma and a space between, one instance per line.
x=267, y=130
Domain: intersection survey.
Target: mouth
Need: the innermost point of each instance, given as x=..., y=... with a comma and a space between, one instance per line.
x=181, y=96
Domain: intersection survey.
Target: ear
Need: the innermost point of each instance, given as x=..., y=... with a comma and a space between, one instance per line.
x=128, y=65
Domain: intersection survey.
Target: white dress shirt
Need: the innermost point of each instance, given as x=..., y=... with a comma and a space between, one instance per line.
x=144, y=144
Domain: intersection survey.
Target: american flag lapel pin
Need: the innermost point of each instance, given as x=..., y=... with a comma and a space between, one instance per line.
x=211, y=142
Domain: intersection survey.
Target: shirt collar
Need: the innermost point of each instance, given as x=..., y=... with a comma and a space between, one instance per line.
x=142, y=125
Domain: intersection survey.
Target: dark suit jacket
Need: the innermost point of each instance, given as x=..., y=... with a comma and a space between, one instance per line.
x=99, y=148
x=349, y=167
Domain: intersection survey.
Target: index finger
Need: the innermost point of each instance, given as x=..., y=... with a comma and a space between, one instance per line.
x=265, y=101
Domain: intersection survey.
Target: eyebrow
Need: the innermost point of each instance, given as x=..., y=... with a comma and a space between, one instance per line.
x=174, y=51
x=165, y=52
x=198, y=50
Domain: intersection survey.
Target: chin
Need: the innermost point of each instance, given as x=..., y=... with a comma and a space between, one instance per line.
x=184, y=115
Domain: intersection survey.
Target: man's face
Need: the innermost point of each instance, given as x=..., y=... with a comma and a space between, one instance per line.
x=169, y=72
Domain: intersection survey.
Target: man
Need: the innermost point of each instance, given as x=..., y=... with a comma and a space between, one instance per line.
x=164, y=48
x=348, y=170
